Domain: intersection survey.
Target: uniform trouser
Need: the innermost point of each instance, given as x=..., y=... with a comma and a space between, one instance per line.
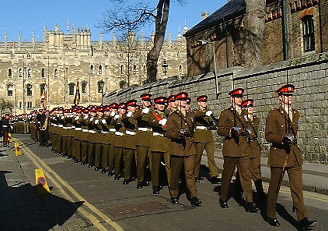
x=118, y=156
x=229, y=166
x=128, y=157
x=295, y=184
x=64, y=145
x=91, y=153
x=156, y=158
x=69, y=146
x=111, y=155
x=98, y=155
x=84, y=151
x=107, y=156
x=44, y=138
x=209, y=148
x=141, y=154
x=5, y=138
x=176, y=166
x=76, y=149
x=167, y=160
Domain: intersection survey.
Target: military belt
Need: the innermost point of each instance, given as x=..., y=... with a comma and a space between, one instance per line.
x=92, y=131
x=201, y=128
x=66, y=128
x=144, y=129
x=112, y=130
x=158, y=134
x=60, y=125
x=55, y=125
x=72, y=127
x=78, y=129
x=119, y=133
x=130, y=133
x=104, y=132
x=85, y=130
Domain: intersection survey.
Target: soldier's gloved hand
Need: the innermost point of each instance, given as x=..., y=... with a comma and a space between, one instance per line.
x=145, y=110
x=129, y=114
x=96, y=121
x=77, y=117
x=91, y=119
x=112, y=113
x=235, y=132
x=209, y=113
x=85, y=117
x=288, y=139
x=247, y=132
x=116, y=117
x=182, y=133
x=162, y=121
x=104, y=121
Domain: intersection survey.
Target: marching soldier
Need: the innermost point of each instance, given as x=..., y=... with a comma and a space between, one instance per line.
x=92, y=138
x=5, y=129
x=172, y=104
x=44, y=128
x=109, y=147
x=143, y=136
x=119, y=139
x=180, y=127
x=281, y=131
x=84, y=136
x=130, y=124
x=159, y=144
x=204, y=140
x=235, y=150
x=100, y=138
x=76, y=140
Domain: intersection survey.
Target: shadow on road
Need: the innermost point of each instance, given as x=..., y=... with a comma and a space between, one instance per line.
x=22, y=209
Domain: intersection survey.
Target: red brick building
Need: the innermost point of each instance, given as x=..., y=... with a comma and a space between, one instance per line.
x=307, y=33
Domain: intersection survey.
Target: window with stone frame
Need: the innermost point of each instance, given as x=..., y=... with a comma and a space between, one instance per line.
x=134, y=69
x=43, y=73
x=29, y=73
x=56, y=73
x=100, y=69
x=101, y=86
x=29, y=90
x=20, y=72
x=42, y=87
x=9, y=90
x=71, y=87
x=29, y=105
x=91, y=69
x=10, y=73
x=122, y=69
x=308, y=33
x=84, y=87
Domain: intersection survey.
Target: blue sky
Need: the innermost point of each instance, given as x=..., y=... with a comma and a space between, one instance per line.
x=27, y=16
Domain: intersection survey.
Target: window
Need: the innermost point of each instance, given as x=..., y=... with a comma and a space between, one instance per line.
x=180, y=69
x=308, y=33
x=84, y=87
x=91, y=69
x=20, y=105
x=20, y=72
x=134, y=69
x=100, y=69
x=29, y=90
x=71, y=87
x=29, y=105
x=43, y=73
x=9, y=90
x=29, y=73
x=122, y=69
x=55, y=73
x=10, y=73
x=101, y=86
x=42, y=87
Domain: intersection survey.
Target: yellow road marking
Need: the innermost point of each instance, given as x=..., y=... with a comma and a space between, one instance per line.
x=37, y=161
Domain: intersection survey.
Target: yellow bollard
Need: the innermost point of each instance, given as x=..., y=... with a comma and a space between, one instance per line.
x=18, y=151
x=41, y=182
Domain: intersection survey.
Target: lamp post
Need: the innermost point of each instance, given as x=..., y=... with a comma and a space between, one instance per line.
x=101, y=86
x=205, y=42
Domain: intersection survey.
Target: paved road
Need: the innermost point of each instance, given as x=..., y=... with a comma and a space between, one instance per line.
x=83, y=199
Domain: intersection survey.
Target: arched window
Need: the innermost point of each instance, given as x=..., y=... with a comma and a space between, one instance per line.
x=308, y=33
x=100, y=69
x=10, y=73
x=122, y=69
x=20, y=72
x=42, y=87
x=29, y=90
x=9, y=90
x=56, y=73
x=134, y=69
x=29, y=73
x=43, y=73
x=84, y=87
x=180, y=69
x=101, y=84
x=71, y=87
x=91, y=69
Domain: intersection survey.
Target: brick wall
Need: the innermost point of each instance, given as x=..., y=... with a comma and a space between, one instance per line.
x=309, y=74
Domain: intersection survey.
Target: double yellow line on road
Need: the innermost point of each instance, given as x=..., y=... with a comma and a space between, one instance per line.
x=62, y=184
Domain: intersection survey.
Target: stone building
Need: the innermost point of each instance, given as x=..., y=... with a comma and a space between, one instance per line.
x=306, y=33
x=63, y=60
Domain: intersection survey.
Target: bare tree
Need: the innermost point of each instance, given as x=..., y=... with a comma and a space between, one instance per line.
x=5, y=106
x=135, y=16
x=249, y=44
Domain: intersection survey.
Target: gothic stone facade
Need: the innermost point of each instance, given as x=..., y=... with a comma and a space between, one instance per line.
x=306, y=25
x=64, y=59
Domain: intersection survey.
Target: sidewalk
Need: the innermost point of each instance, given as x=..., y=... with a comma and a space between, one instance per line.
x=315, y=176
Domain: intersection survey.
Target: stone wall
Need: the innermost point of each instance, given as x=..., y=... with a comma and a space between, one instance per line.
x=309, y=74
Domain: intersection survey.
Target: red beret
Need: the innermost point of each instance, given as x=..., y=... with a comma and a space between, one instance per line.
x=287, y=89
x=145, y=96
x=160, y=100
x=107, y=108
x=113, y=105
x=122, y=106
x=247, y=103
x=236, y=92
x=99, y=109
x=181, y=95
x=202, y=98
x=171, y=98
x=131, y=103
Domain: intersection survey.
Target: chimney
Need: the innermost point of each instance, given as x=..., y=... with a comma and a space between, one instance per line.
x=204, y=15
